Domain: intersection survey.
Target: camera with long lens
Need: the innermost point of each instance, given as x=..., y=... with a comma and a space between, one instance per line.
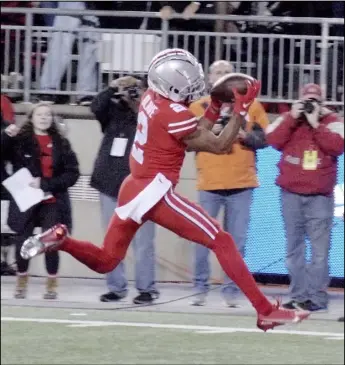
x=133, y=92
x=308, y=106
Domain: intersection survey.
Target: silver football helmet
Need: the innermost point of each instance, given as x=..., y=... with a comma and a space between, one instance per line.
x=177, y=75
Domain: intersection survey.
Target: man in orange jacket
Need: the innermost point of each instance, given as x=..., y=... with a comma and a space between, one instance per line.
x=227, y=181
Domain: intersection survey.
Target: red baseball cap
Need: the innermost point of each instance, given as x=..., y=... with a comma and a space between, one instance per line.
x=311, y=91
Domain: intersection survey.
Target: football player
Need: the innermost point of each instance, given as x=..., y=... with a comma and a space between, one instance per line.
x=166, y=130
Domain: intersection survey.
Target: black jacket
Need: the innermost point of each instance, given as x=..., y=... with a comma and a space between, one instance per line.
x=23, y=151
x=293, y=9
x=117, y=120
x=118, y=22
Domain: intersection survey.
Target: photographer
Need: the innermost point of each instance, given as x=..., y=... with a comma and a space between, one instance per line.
x=116, y=109
x=310, y=137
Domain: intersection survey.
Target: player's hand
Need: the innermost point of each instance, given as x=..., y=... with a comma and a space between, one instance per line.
x=216, y=104
x=190, y=10
x=243, y=102
x=166, y=12
x=124, y=82
x=296, y=109
x=12, y=130
x=212, y=113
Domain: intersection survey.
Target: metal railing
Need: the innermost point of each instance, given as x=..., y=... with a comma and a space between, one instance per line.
x=282, y=62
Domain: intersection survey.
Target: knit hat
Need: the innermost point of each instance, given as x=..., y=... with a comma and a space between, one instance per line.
x=311, y=91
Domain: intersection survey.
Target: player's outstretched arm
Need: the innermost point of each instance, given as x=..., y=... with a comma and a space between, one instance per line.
x=203, y=140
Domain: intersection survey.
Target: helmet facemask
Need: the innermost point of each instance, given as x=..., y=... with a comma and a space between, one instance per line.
x=193, y=92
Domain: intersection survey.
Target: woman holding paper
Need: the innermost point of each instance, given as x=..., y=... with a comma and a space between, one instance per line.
x=44, y=156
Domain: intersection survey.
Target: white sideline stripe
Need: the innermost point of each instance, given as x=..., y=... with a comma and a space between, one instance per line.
x=83, y=325
x=226, y=330
x=168, y=326
x=182, y=123
x=182, y=129
x=335, y=338
x=78, y=314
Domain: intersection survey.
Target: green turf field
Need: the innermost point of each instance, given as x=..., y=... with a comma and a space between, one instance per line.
x=32, y=335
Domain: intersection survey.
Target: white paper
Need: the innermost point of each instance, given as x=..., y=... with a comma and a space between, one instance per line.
x=118, y=148
x=24, y=195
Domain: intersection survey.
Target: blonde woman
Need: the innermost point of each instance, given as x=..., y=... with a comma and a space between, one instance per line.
x=39, y=146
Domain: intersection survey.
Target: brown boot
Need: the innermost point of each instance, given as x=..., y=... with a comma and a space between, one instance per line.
x=22, y=283
x=51, y=288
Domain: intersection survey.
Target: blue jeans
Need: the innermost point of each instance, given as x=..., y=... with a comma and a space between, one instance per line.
x=143, y=245
x=60, y=48
x=48, y=18
x=236, y=221
x=308, y=217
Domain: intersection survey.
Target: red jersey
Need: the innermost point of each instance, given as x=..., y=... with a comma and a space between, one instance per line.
x=158, y=145
x=46, y=148
x=46, y=156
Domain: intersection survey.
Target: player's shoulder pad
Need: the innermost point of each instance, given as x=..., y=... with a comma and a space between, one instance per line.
x=178, y=118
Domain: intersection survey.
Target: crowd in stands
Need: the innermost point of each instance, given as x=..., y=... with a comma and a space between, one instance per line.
x=52, y=57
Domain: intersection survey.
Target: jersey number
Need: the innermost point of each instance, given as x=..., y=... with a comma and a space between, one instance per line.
x=140, y=138
x=177, y=108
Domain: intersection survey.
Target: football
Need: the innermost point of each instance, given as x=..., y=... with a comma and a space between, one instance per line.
x=222, y=88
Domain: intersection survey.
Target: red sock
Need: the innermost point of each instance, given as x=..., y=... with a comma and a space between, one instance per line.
x=96, y=258
x=234, y=266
